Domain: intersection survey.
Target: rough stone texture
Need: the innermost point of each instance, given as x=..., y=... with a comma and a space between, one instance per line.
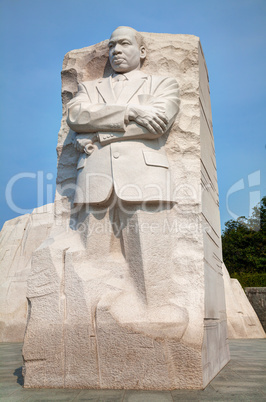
x=243, y=379
x=19, y=238
x=87, y=325
x=257, y=298
x=242, y=320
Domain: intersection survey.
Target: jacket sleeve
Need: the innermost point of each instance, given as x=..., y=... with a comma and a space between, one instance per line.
x=86, y=117
x=166, y=97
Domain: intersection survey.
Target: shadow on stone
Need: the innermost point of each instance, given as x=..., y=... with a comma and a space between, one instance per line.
x=18, y=373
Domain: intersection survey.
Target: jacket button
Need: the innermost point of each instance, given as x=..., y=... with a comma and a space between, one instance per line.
x=116, y=155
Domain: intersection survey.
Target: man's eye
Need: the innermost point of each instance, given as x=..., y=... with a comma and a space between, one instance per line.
x=125, y=43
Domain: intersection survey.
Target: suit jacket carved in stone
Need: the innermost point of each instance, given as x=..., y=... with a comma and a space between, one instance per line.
x=128, y=158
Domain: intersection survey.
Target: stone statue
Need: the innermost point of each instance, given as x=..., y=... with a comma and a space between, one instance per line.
x=127, y=291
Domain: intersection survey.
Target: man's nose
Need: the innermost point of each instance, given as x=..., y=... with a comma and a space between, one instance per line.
x=116, y=49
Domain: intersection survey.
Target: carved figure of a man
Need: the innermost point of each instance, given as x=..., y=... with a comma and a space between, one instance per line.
x=129, y=111
x=123, y=170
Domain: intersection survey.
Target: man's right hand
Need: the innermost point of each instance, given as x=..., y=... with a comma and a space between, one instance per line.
x=147, y=116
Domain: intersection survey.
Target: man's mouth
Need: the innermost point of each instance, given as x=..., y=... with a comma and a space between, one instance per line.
x=118, y=60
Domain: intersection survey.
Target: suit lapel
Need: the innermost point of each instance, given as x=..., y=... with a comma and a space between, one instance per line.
x=131, y=87
x=105, y=89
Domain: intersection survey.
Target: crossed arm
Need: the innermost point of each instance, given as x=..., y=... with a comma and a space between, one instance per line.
x=128, y=121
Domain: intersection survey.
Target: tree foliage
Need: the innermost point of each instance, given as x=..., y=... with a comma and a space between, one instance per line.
x=244, y=243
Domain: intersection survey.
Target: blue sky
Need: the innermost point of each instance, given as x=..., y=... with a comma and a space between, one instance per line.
x=36, y=34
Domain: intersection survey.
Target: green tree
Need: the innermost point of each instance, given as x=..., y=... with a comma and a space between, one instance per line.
x=244, y=243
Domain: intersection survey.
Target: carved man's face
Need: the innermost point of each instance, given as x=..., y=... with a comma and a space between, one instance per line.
x=125, y=53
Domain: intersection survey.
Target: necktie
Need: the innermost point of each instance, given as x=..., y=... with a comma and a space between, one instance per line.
x=118, y=84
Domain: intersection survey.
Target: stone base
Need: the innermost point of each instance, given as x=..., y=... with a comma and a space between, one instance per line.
x=121, y=359
x=106, y=338
x=117, y=359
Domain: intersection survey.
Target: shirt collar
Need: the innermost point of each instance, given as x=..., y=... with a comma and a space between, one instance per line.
x=132, y=75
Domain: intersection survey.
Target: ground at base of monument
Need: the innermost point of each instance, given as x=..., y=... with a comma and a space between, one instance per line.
x=243, y=379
